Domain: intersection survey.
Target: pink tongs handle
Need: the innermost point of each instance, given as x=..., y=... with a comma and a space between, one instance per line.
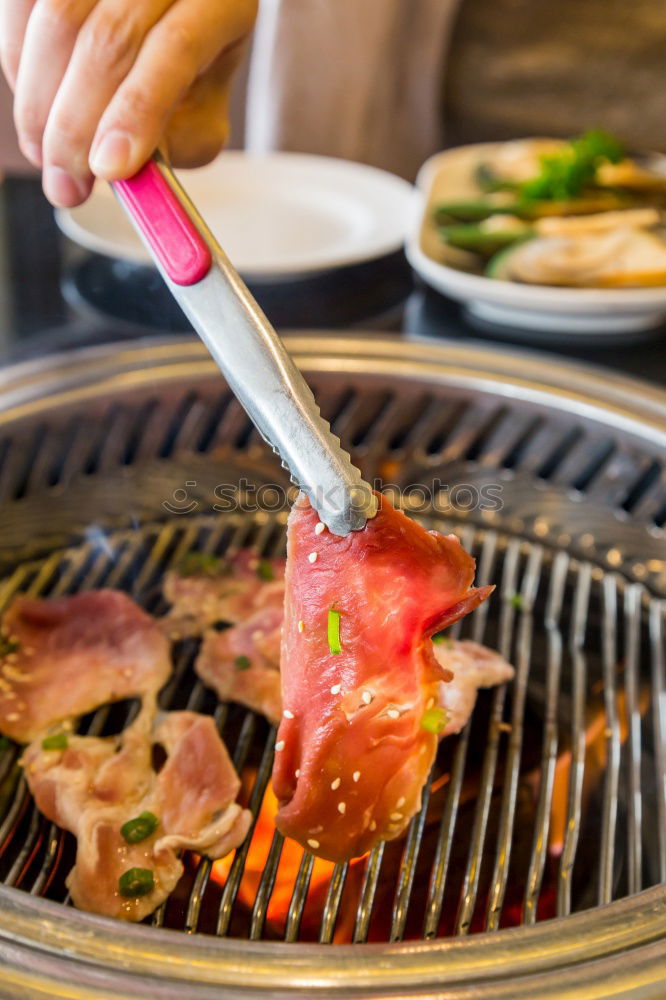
x=165, y=225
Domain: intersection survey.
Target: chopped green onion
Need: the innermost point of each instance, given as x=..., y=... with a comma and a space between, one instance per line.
x=243, y=663
x=201, y=562
x=8, y=646
x=136, y=882
x=517, y=601
x=565, y=174
x=138, y=829
x=58, y=741
x=334, y=632
x=434, y=720
x=442, y=640
x=265, y=570
x=4, y=743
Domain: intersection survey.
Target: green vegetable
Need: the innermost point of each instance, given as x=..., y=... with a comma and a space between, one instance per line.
x=598, y=145
x=334, y=632
x=434, y=720
x=442, y=640
x=195, y=563
x=517, y=601
x=474, y=209
x=484, y=241
x=136, y=882
x=8, y=646
x=4, y=743
x=265, y=570
x=453, y=226
x=500, y=266
x=138, y=829
x=585, y=204
x=566, y=174
x=243, y=663
x=489, y=181
x=58, y=741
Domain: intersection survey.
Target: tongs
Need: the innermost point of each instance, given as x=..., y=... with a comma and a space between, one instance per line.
x=247, y=349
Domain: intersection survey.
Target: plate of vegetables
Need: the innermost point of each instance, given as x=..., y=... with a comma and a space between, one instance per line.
x=546, y=235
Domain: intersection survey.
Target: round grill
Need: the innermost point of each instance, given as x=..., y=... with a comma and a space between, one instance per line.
x=550, y=804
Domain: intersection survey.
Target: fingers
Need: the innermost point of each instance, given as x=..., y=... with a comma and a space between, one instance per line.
x=186, y=41
x=48, y=42
x=96, y=82
x=105, y=48
x=14, y=16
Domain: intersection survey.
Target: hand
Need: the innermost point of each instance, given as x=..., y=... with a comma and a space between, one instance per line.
x=98, y=84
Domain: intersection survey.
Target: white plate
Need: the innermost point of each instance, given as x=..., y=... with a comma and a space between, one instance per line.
x=540, y=309
x=277, y=216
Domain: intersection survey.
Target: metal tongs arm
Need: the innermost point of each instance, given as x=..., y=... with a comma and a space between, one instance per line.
x=247, y=349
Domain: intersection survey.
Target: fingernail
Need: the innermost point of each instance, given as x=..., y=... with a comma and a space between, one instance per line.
x=33, y=152
x=111, y=155
x=62, y=189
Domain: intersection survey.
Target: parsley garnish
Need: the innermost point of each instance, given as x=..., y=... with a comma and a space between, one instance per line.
x=565, y=174
x=442, y=640
x=265, y=570
x=8, y=645
x=58, y=741
x=195, y=563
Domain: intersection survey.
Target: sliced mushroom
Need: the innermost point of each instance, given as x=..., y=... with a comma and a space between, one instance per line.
x=633, y=218
x=618, y=258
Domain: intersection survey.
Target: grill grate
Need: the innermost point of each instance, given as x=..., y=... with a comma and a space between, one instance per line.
x=535, y=810
x=136, y=450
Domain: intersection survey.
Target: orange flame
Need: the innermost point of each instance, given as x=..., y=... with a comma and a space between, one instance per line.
x=596, y=735
x=257, y=857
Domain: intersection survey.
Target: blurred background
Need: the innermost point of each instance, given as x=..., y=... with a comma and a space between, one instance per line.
x=452, y=71
x=386, y=83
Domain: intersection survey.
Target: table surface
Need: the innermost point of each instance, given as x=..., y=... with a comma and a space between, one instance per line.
x=54, y=296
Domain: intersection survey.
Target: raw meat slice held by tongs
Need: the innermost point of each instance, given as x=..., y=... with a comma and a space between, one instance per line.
x=249, y=352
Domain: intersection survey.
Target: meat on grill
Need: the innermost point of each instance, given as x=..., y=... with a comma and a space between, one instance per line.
x=393, y=585
x=473, y=666
x=352, y=753
x=207, y=590
x=242, y=663
x=62, y=658
x=94, y=786
x=66, y=657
